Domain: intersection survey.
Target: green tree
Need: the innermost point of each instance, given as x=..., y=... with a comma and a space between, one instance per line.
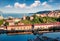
x=16, y=23
x=58, y=19
x=28, y=18
x=6, y=23
x=1, y=22
x=36, y=19
x=41, y=19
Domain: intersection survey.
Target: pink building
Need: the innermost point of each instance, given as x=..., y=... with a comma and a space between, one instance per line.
x=2, y=27
x=11, y=22
x=46, y=26
x=20, y=23
x=19, y=27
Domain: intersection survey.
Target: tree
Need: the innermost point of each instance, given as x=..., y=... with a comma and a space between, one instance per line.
x=28, y=18
x=1, y=22
x=41, y=19
x=6, y=23
x=36, y=19
x=16, y=23
x=58, y=19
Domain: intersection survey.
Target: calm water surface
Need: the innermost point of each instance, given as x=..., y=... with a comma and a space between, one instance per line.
x=15, y=15
x=21, y=37
x=25, y=37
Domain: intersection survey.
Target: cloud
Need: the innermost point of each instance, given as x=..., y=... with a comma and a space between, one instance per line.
x=8, y=6
x=35, y=4
x=18, y=5
x=46, y=5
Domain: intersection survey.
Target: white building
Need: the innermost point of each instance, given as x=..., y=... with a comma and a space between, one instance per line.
x=1, y=17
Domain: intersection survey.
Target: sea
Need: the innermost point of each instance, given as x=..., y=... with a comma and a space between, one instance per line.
x=30, y=37
x=16, y=15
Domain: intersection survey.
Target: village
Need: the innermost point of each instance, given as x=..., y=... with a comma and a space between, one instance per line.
x=16, y=24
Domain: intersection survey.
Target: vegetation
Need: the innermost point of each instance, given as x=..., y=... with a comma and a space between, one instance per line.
x=1, y=22
x=28, y=18
x=36, y=20
x=58, y=19
x=40, y=20
x=26, y=21
x=6, y=24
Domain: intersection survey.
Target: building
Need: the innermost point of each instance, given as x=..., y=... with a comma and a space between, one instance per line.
x=20, y=23
x=1, y=17
x=24, y=18
x=50, y=14
x=54, y=14
x=38, y=15
x=2, y=27
x=43, y=15
x=16, y=19
x=31, y=17
x=11, y=22
x=19, y=27
x=45, y=25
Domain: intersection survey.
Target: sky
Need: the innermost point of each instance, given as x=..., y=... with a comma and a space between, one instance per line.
x=28, y=6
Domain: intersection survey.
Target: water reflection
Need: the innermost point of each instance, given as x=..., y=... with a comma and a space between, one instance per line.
x=16, y=37
x=48, y=37
x=30, y=37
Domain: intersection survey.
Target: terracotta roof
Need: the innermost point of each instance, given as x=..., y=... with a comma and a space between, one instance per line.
x=9, y=21
x=18, y=25
x=56, y=23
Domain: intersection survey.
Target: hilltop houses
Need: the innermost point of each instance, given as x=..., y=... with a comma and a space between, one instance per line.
x=50, y=14
x=41, y=15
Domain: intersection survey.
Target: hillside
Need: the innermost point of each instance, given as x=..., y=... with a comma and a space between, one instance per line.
x=42, y=12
